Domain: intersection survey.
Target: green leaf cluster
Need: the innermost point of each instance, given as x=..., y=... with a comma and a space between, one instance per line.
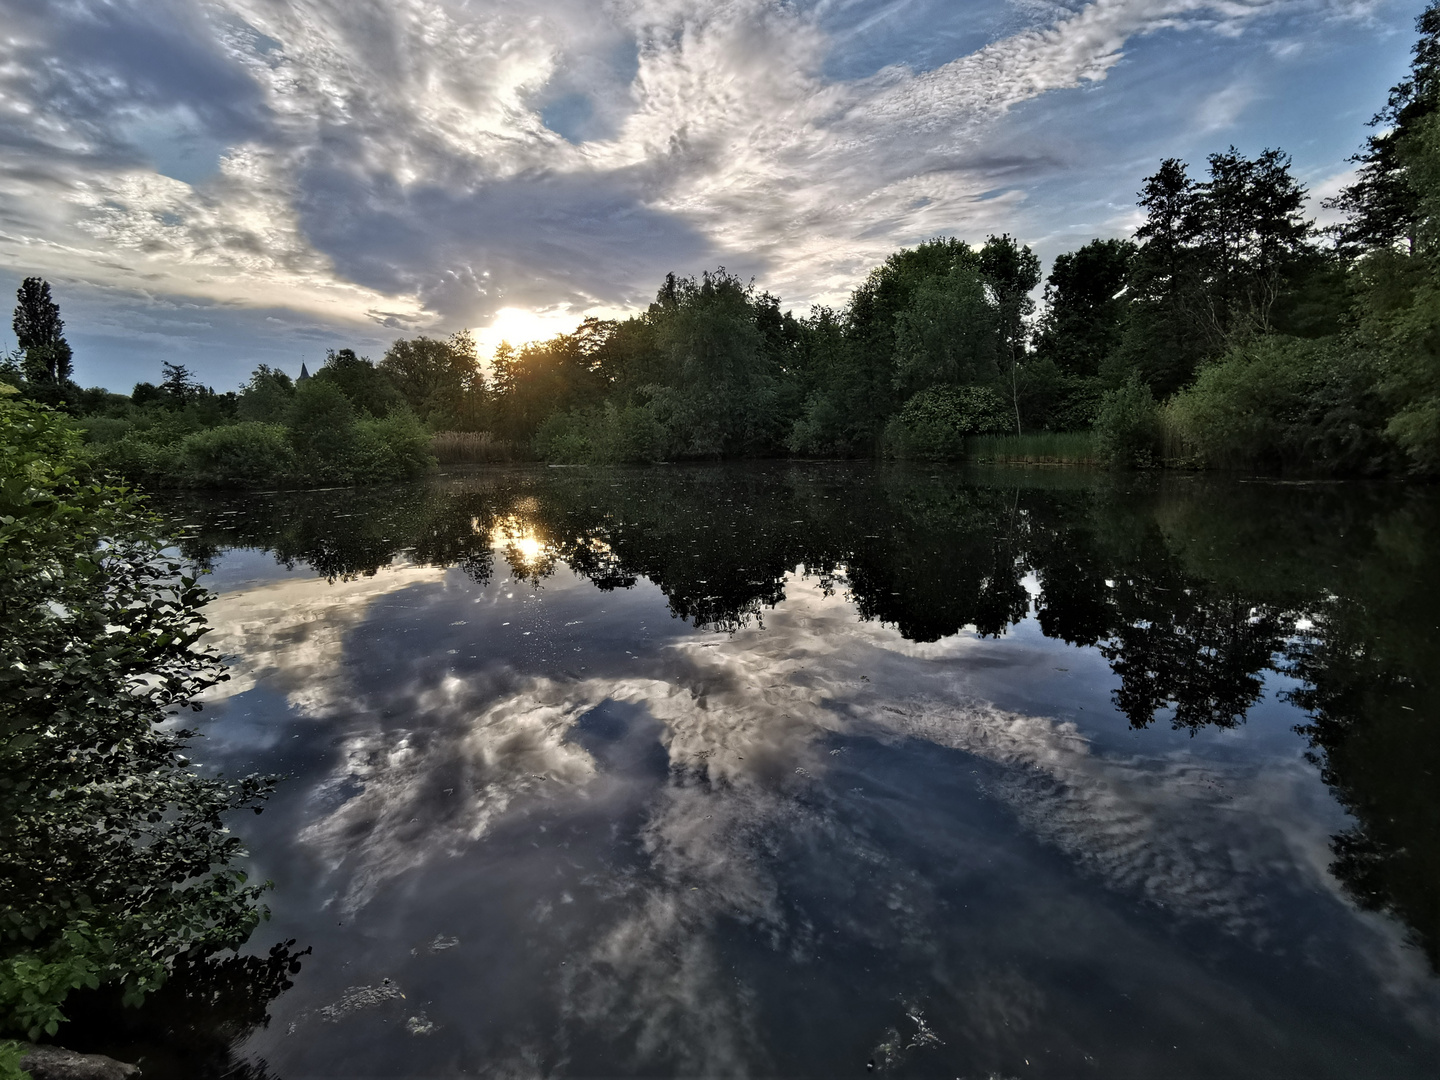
x=114, y=858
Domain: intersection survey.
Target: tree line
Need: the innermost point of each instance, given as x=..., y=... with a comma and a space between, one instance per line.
x=1228, y=331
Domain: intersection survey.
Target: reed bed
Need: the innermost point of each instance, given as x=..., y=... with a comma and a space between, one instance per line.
x=1038, y=448
x=470, y=447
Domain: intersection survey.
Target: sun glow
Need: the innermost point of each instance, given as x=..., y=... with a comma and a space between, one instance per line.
x=519, y=327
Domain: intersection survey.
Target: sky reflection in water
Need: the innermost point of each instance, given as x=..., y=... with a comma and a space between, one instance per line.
x=788, y=770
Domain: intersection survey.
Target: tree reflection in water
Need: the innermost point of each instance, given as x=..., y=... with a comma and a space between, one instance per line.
x=1193, y=589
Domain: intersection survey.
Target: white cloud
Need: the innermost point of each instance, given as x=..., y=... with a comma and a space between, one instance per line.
x=425, y=770
x=391, y=159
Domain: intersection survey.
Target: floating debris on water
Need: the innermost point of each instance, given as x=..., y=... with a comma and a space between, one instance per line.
x=924, y=1033
x=360, y=997
x=420, y=1025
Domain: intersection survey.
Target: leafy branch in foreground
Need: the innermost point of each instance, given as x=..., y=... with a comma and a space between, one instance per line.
x=114, y=859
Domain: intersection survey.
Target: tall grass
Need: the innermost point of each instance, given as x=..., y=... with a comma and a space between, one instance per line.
x=1037, y=448
x=470, y=447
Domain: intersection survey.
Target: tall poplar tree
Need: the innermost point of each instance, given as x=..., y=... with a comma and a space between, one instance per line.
x=41, y=335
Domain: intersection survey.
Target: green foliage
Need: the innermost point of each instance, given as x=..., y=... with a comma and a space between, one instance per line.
x=248, y=454
x=610, y=435
x=1034, y=448
x=440, y=381
x=113, y=859
x=1284, y=402
x=935, y=423
x=1382, y=206
x=1127, y=429
x=394, y=447
x=266, y=397
x=364, y=385
x=11, y=1055
x=948, y=333
x=143, y=461
x=719, y=393
x=1085, y=306
x=321, y=422
x=315, y=436
x=106, y=429
x=40, y=332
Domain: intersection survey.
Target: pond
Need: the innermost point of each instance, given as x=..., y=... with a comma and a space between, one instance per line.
x=823, y=770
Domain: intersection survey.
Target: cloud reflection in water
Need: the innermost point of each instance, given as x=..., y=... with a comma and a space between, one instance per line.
x=444, y=755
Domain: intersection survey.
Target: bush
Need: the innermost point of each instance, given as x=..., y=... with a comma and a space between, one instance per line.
x=610, y=435
x=396, y=447
x=100, y=430
x=115, y=861
x=322, y=430
x=142, y=461
x=564, y=439
x=935, y=423
x=1127, y=429
x=248, y=454
x=1281, y=402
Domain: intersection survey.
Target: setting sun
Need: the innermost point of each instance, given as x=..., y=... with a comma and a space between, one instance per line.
x=519, y=327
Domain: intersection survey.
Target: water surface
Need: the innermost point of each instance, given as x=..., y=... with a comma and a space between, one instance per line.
x=823, y=770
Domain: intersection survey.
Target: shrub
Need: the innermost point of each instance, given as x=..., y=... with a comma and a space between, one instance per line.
x=396, y=447
x=935, y=423
x=610, y=435
x=1284, y=402
x=248, y=454
x=563, y=438
x=115, y=863
x=142, y=461
x=1127, y=429
x=105, y=429
x=321, y=422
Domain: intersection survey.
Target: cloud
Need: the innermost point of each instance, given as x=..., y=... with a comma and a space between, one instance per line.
x=427, y=163
x=744, y=713
x=712, y=757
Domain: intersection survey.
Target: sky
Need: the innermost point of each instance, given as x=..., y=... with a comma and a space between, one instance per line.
x=234, y=182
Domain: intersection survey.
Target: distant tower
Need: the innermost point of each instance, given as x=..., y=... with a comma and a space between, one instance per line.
x=303, y=373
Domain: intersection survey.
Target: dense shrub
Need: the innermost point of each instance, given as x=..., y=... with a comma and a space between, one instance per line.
x=396, y=447
x=1281, y=402
x=138, y=459
x=322, y=442
x=935, y=423
x=249, y=454
x=106, y=429
x=1127, y=428
x=114, y=864
x=610, y=435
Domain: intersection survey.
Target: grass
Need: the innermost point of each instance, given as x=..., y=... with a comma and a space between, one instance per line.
x=470, y=447
x=1038, y=448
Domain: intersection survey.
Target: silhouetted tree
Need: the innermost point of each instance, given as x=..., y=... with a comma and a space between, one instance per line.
x=41, y=335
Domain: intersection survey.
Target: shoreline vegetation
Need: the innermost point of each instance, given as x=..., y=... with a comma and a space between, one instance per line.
x=1229, y=332
x=117, y=873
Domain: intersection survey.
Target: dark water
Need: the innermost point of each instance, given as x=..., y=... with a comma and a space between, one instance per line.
x=823, y=771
